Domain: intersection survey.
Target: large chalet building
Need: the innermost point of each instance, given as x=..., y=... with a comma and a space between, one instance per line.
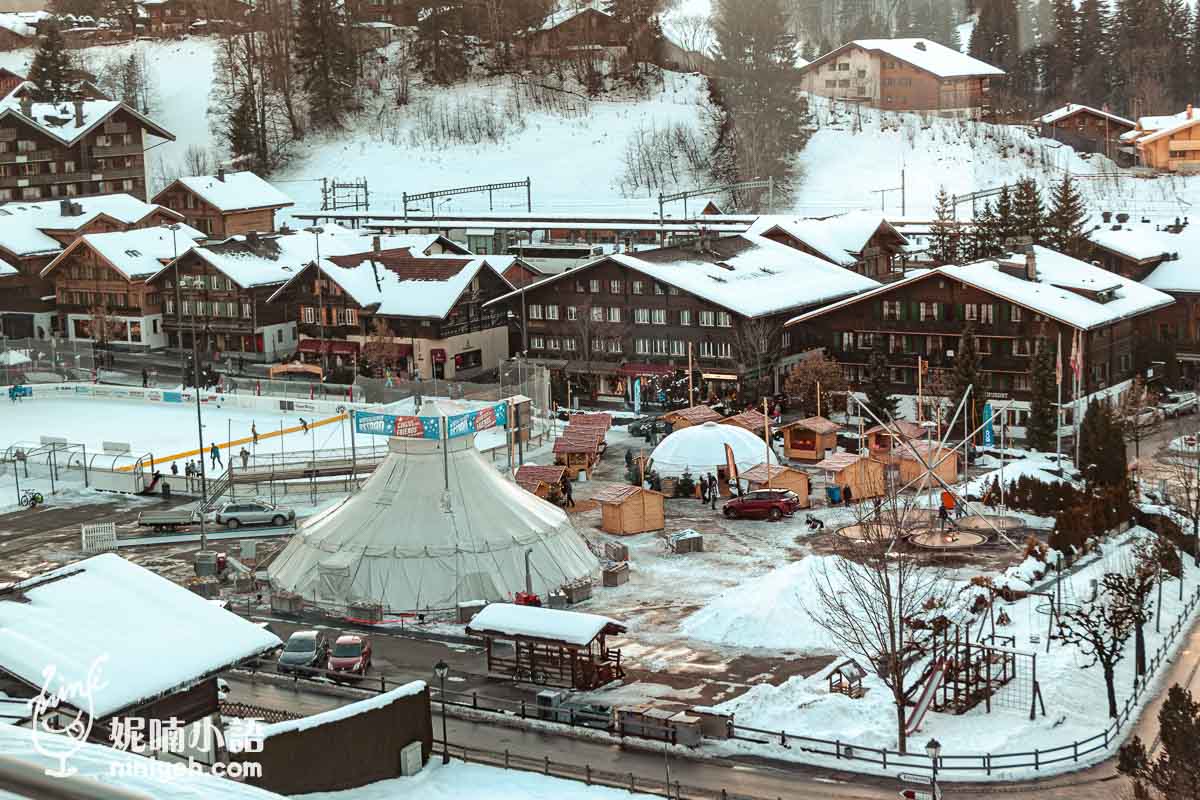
x=1169, y=143
x=225, y=204
x=903, y=75
x=860, y=241
x=72, y=149
x=631, y=315
x=1088, y=130
x=1011, y=303
x=34, y=234
x=409, y=304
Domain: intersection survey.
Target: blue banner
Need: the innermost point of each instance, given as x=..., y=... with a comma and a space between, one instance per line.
x=172, y=397
x=412, y=427
x=637, y=395
x=989, y=432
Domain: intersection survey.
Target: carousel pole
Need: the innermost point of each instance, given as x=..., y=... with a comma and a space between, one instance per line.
x=767, y=439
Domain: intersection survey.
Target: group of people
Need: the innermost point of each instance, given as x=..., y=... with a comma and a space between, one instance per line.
x=709, y=490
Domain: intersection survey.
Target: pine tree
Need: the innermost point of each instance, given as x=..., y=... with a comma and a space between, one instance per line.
x=1102, y=447
x=943, y=240
x=1062, y=54
x=1180, y=83
x=325, y=59
x=1064, y=223
x=1006, y=224
x=242, y=133
x=879, y=381
x=966, y=372
x=1092, y=67
x=1029, y=215
x=50, y=70
x=1173, y=773
x=635, y=16
x=995, y=39
x=1043, y=414
x=984, y=240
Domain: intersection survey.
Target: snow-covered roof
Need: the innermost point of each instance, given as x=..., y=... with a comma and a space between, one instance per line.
x=337, y=714
x=234, y=191
x=1070, y=109
x=137, y=253
x=571, y=10
x=23, y=225
x=8, y=269
x=146, y=636
x=20, y=23
x=1146, y=241
x=572, y=627
x=1153, y=124
x=1170, y=130
x=837, y=238
x=1058, y=291
x=750, y=275
x=59, y=120
x=930, y=56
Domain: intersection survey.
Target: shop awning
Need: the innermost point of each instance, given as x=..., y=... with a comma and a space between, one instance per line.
x=593, y=367
x=340, y=347
x=718, y=376
x=313, y=346
x=438, y=356
x=634, y=370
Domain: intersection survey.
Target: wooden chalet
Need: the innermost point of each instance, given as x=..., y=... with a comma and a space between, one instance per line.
x=863, y=474
x=860, y=241
x=574, y=30
x=225, y=204
x=543, y=481
x=910, y=466
x=550, y=646
x=1175, y=147
x=1087, y=129
x=627, y=510
x=884, y=445
x=578, y=450
x=781, y=477
x=809, y=439
x=687, y=417
x=754, y=421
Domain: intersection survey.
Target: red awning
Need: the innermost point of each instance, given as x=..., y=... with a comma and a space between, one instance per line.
x=402, y=350
x=310, y=345
x=339, y=347
x=633, y=370
x=438, y=356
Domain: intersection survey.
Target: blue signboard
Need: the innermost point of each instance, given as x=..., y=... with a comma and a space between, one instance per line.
x=172, y=397
x=989, y=433
x=414, y=427
x=637, y=395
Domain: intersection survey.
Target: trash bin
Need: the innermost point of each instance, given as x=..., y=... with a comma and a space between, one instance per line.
x=834, y=493
x=166, y=491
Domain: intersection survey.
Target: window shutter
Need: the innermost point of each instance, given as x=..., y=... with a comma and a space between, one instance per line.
x=877, y=309
x=914, y=310
x=960, y=312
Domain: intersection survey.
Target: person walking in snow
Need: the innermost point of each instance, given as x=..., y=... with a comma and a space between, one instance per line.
x=174, y=468
x=568, y=499
x=713, y=490
x=215, y=453
x=245, y=454
x=254, y=433
x=145, y=378
x=304, y=425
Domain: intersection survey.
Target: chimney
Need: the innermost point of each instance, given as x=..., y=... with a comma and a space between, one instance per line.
x=64, y=207
x=1030, y=264
x=376, y=246
x=221, y=174
x=27, y=105
x=1189, y=111
x=78, y=113
x=1106, y=216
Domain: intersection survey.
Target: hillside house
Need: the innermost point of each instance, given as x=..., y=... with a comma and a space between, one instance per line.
x=860, y=241
x=1011, y=303
x=34, y=234
x=1169, y=144
x=100, y=284
x=225, y=204
x=75, y=149
x=903, y=75
x=399, y=309
x=1087, y=129
x=630, y=315
x=15, y=34
x=571, y=30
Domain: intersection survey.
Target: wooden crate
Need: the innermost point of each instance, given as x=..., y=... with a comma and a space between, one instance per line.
x=578, y=591
x=616, y=551
x=615, y=574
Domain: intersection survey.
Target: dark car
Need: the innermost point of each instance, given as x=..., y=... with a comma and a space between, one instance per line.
x=305, y=650
x=351, y=653
x=773, y=504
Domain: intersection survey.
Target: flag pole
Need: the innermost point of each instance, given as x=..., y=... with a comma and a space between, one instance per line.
x=1058, y=415
x=767, y=439
x=691, y=392
x=919, y=389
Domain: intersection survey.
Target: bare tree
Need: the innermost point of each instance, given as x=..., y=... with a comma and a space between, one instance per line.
x=1179, y=467
x=1137, y=415
x=1153, y=556
x=882, y=606
x=379, y=348
x=817, y=370
x=757, y=345
x=199, y=160
x=695, y=35
x=1100, y=629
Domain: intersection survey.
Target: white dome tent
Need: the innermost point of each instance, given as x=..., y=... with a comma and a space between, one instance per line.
x=701, y=449
x=407, y=542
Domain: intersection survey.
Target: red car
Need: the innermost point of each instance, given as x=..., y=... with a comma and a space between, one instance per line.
x=351, y=653
x=773, y=504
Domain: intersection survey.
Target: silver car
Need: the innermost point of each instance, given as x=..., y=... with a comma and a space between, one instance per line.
x=253, y=512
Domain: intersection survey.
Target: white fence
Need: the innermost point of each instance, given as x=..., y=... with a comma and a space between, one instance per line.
x=100, y=537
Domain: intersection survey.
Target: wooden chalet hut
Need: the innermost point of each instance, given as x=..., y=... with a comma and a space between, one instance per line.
x=626, y=510
x=781, y=478
x=550, y=646
x=545, y=482
x=911, y=468
x=687, y=417
x=885, y=446
x=578, y=450
x=863, y=474
x=809, y=439
x=750, y=419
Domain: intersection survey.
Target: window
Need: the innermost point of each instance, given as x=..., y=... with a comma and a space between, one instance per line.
x=597, y=313
x=929, y=311
x=898, y=375
x=724, y=320
x=1123, y=362
x=830, y=84
x=658, y=288
x=639, y=287
x=572, y=313
x=672, y=290
x=641, y=316
x=659, y=316
x=1020, y=383
x=662, y=347
x=568, y=343
x=987, y=313
x=844, y=66
x=678, y=348
x=685, y=317
x=616, y=287
x=1022, y=347
x=866, y=341
x=594, y=285
x=246, y=311
x=535, y=311
x=26, y=146
x=551, y=312
x=985, y=345
x=614, y=345
x=127, y=185
x=187, y=309
x=309, y=317
x=614, y=314
x=707, y=319
x=641, y=347
x=972, y=311
x=844, y=84
x=706, y=349
x=724, y=350
x=597, y=345
x=580, y=287
x=846, y=340
x=891, y=309
x=1014, y=313
x=170, y=306
x=537, y=343
x=553, y=343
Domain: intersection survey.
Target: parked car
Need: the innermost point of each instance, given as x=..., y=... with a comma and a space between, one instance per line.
x=305, y=650
x=351, y=653
x=1178, y=403
x=773, y=504
x=257, y=512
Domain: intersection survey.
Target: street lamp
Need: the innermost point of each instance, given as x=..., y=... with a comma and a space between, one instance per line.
x=173, y=227
x=199, y=423
x=441, y=669
x=316, y=231
x=934, y=750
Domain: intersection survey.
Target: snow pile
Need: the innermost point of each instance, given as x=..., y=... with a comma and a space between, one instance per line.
x=1036, y=466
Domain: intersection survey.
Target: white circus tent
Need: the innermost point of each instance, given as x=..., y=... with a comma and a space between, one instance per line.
x=701, y=449
x=408, y=542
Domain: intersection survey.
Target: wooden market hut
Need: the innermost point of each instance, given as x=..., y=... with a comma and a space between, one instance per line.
x=809, y=439
x=550, y=646
x=751, y=420
x=543, y=481
x=863, y=474
x=626, y=510
x=885, y=445
x=687, y=417
x=911, y=468
x=781, y=478
x=578, y=450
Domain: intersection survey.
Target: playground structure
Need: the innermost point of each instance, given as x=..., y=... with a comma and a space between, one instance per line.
x=946, y=539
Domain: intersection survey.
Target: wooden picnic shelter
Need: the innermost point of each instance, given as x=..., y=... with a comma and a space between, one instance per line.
x=782, y=477
x=809, y=439
x=626, y=510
